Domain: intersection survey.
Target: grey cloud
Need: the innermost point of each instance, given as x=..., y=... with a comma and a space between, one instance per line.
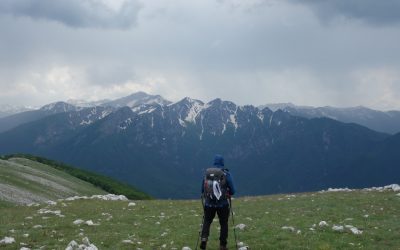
x=75, y=13
x=370, y=11
x=203, y=49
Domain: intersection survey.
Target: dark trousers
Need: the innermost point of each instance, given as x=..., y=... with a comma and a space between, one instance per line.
x=223, y=215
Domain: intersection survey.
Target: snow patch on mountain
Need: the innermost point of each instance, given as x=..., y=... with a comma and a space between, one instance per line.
x=147, y=111
x=232, y=118
x=194, y=110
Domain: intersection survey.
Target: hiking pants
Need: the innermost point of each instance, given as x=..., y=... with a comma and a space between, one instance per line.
x=223, y=215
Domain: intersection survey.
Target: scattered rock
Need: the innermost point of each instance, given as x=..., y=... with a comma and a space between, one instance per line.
x=131, y=204
x=186, y=248
x=392, y=187
x=292, y=229
x=46, y=211
x=337, y=190
x=86, y=245
x=24, y=248
x=127, y=242
x=323, y=224
x=37, y=226
x=51, y=203
x=354, y=230
x=241, y=226
x=78, y=222
x=91, y=223
x=7, y=240
x=338, y=228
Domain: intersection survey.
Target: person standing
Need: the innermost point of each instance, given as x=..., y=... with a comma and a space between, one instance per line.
x=217, y=187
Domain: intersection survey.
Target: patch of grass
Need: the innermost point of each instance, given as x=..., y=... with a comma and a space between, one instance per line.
x=106, y=183
x=25, y=181
x=155, y=224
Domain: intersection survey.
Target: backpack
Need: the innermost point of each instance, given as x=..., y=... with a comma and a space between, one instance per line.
x=215, y=184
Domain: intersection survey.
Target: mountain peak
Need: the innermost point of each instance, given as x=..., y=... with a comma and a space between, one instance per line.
x=57, y=107
x=189, y=101
x=216, y=101
x=136, y=99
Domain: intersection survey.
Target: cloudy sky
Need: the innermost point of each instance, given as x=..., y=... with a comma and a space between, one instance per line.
x=337, y=53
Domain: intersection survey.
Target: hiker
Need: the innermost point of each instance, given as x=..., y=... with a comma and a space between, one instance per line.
x=216, y=201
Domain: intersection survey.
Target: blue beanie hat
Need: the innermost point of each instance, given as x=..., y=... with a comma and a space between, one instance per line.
x=218, y=161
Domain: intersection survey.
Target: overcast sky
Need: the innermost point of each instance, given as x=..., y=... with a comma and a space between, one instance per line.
x=337, y=53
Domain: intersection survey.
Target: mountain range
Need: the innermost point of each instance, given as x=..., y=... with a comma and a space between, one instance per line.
x=382, y=121
x=7, y=110
x=163, y=147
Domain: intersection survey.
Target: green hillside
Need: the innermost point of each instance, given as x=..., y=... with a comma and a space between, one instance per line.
x=270, y=222
x=26, y=179
x=23, y=181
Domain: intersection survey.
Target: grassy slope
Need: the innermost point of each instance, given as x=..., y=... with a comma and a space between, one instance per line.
x=35, y=182
x=153, y=223
x=105, y=183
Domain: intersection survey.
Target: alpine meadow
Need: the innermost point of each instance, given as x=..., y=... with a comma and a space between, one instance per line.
x=199, y=124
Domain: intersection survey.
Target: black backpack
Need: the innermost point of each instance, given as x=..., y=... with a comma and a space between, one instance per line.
x=215, y=184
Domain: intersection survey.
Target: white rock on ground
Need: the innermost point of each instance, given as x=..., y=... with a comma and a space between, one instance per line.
x=78, y=221
x=392, y=187
x=131, y=204
x=86, y=245
x=107, y=197
x=323, y=223
x=354, y=230
x=336, y=190
x=24, y=248
x=86, y=241
x=127, y=242
x=292, y=229
x=338, y=228
x=46, y=211
x=72, y=245
x=186, y=248
x=51, y=203
x=91, y=223
x=7, y=240
x=243, y=248
x=241, y=226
